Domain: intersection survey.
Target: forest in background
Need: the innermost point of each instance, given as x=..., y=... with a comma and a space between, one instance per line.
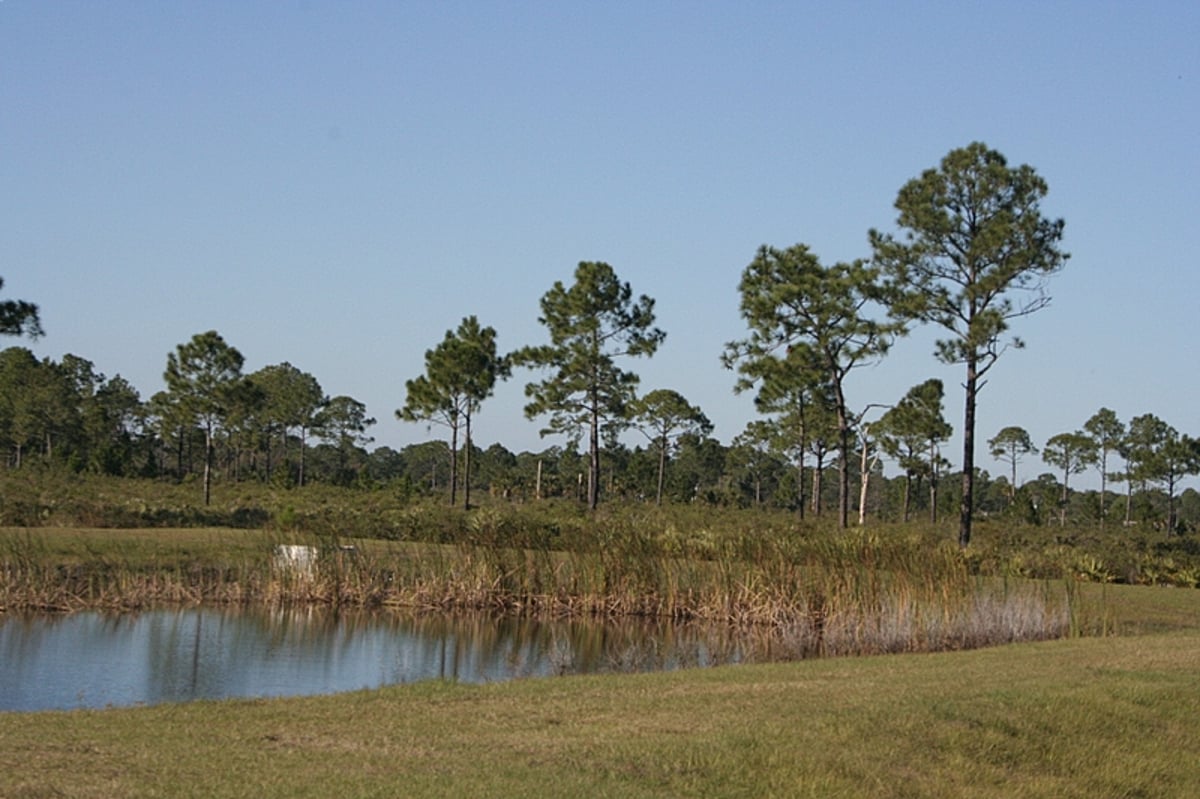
x=66, y=416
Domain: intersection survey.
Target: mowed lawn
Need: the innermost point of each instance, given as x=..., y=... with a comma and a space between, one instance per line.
x=1092, y=717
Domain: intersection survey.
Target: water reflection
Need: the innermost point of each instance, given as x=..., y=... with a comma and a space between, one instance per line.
x=98, y=660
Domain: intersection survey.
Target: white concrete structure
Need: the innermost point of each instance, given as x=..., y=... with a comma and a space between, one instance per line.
x=296, y=559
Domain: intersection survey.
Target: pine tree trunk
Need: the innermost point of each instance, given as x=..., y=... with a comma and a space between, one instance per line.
x=843, y=470
x=864, y=478
x=818, y=471
x=803, y=440
x=662, y=467
x=1062, y=507
x=1172, y=516
x=967, y=504
x=303, y=446
x=454, y=461
x=1103, y=486
x=593, y=488
x=467, y=465
x=208, y=453
x=933, y=501
x=800, y=487
x=268, y=454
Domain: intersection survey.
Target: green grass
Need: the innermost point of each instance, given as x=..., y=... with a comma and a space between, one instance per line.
x=1085, y=717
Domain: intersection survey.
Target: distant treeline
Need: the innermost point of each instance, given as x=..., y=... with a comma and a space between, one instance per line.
x=278, y=430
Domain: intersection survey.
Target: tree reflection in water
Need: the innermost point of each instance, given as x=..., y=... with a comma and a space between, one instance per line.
x=97, y=660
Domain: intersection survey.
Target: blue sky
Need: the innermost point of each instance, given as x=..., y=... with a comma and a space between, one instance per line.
x=337, y=184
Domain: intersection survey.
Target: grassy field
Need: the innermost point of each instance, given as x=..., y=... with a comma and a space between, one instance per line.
x=1086, y=717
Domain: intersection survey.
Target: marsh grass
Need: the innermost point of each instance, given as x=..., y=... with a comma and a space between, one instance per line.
x=827, y=594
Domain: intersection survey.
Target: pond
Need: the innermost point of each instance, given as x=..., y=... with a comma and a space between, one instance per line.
x=93, y=660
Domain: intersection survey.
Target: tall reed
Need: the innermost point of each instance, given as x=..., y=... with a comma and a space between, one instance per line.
x=830, y=593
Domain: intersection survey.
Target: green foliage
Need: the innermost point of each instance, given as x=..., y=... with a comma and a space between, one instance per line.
x=292, y=400
x=591, y=325
x=910, y=433
x=664, y=416
x=203, y=373
x=1073, y=453
x=697, y=470
x=1011, y=445
x=804, y=411
x=342, y=422
x=977, y=252
x=204, y=378
x=1156, y=453
x=25, y=388
x=460, y=373
x=816, y=313
x=1134, y=555
x=975, y=256
x=1107, y=432
x=68, y=414
x=753, y=464
x=19, y=318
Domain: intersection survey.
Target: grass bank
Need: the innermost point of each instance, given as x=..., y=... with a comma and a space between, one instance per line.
x=1084, y=717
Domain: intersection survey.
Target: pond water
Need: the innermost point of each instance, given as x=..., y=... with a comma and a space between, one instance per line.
x=90, y=660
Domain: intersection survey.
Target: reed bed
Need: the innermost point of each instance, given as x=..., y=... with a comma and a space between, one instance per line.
x=821, y=593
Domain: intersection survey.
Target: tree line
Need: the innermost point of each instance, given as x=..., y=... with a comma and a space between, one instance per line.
x=1156, y=458
x=971, y=254
x=276, y=426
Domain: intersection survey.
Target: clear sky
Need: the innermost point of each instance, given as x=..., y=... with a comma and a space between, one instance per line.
x=337, y=184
